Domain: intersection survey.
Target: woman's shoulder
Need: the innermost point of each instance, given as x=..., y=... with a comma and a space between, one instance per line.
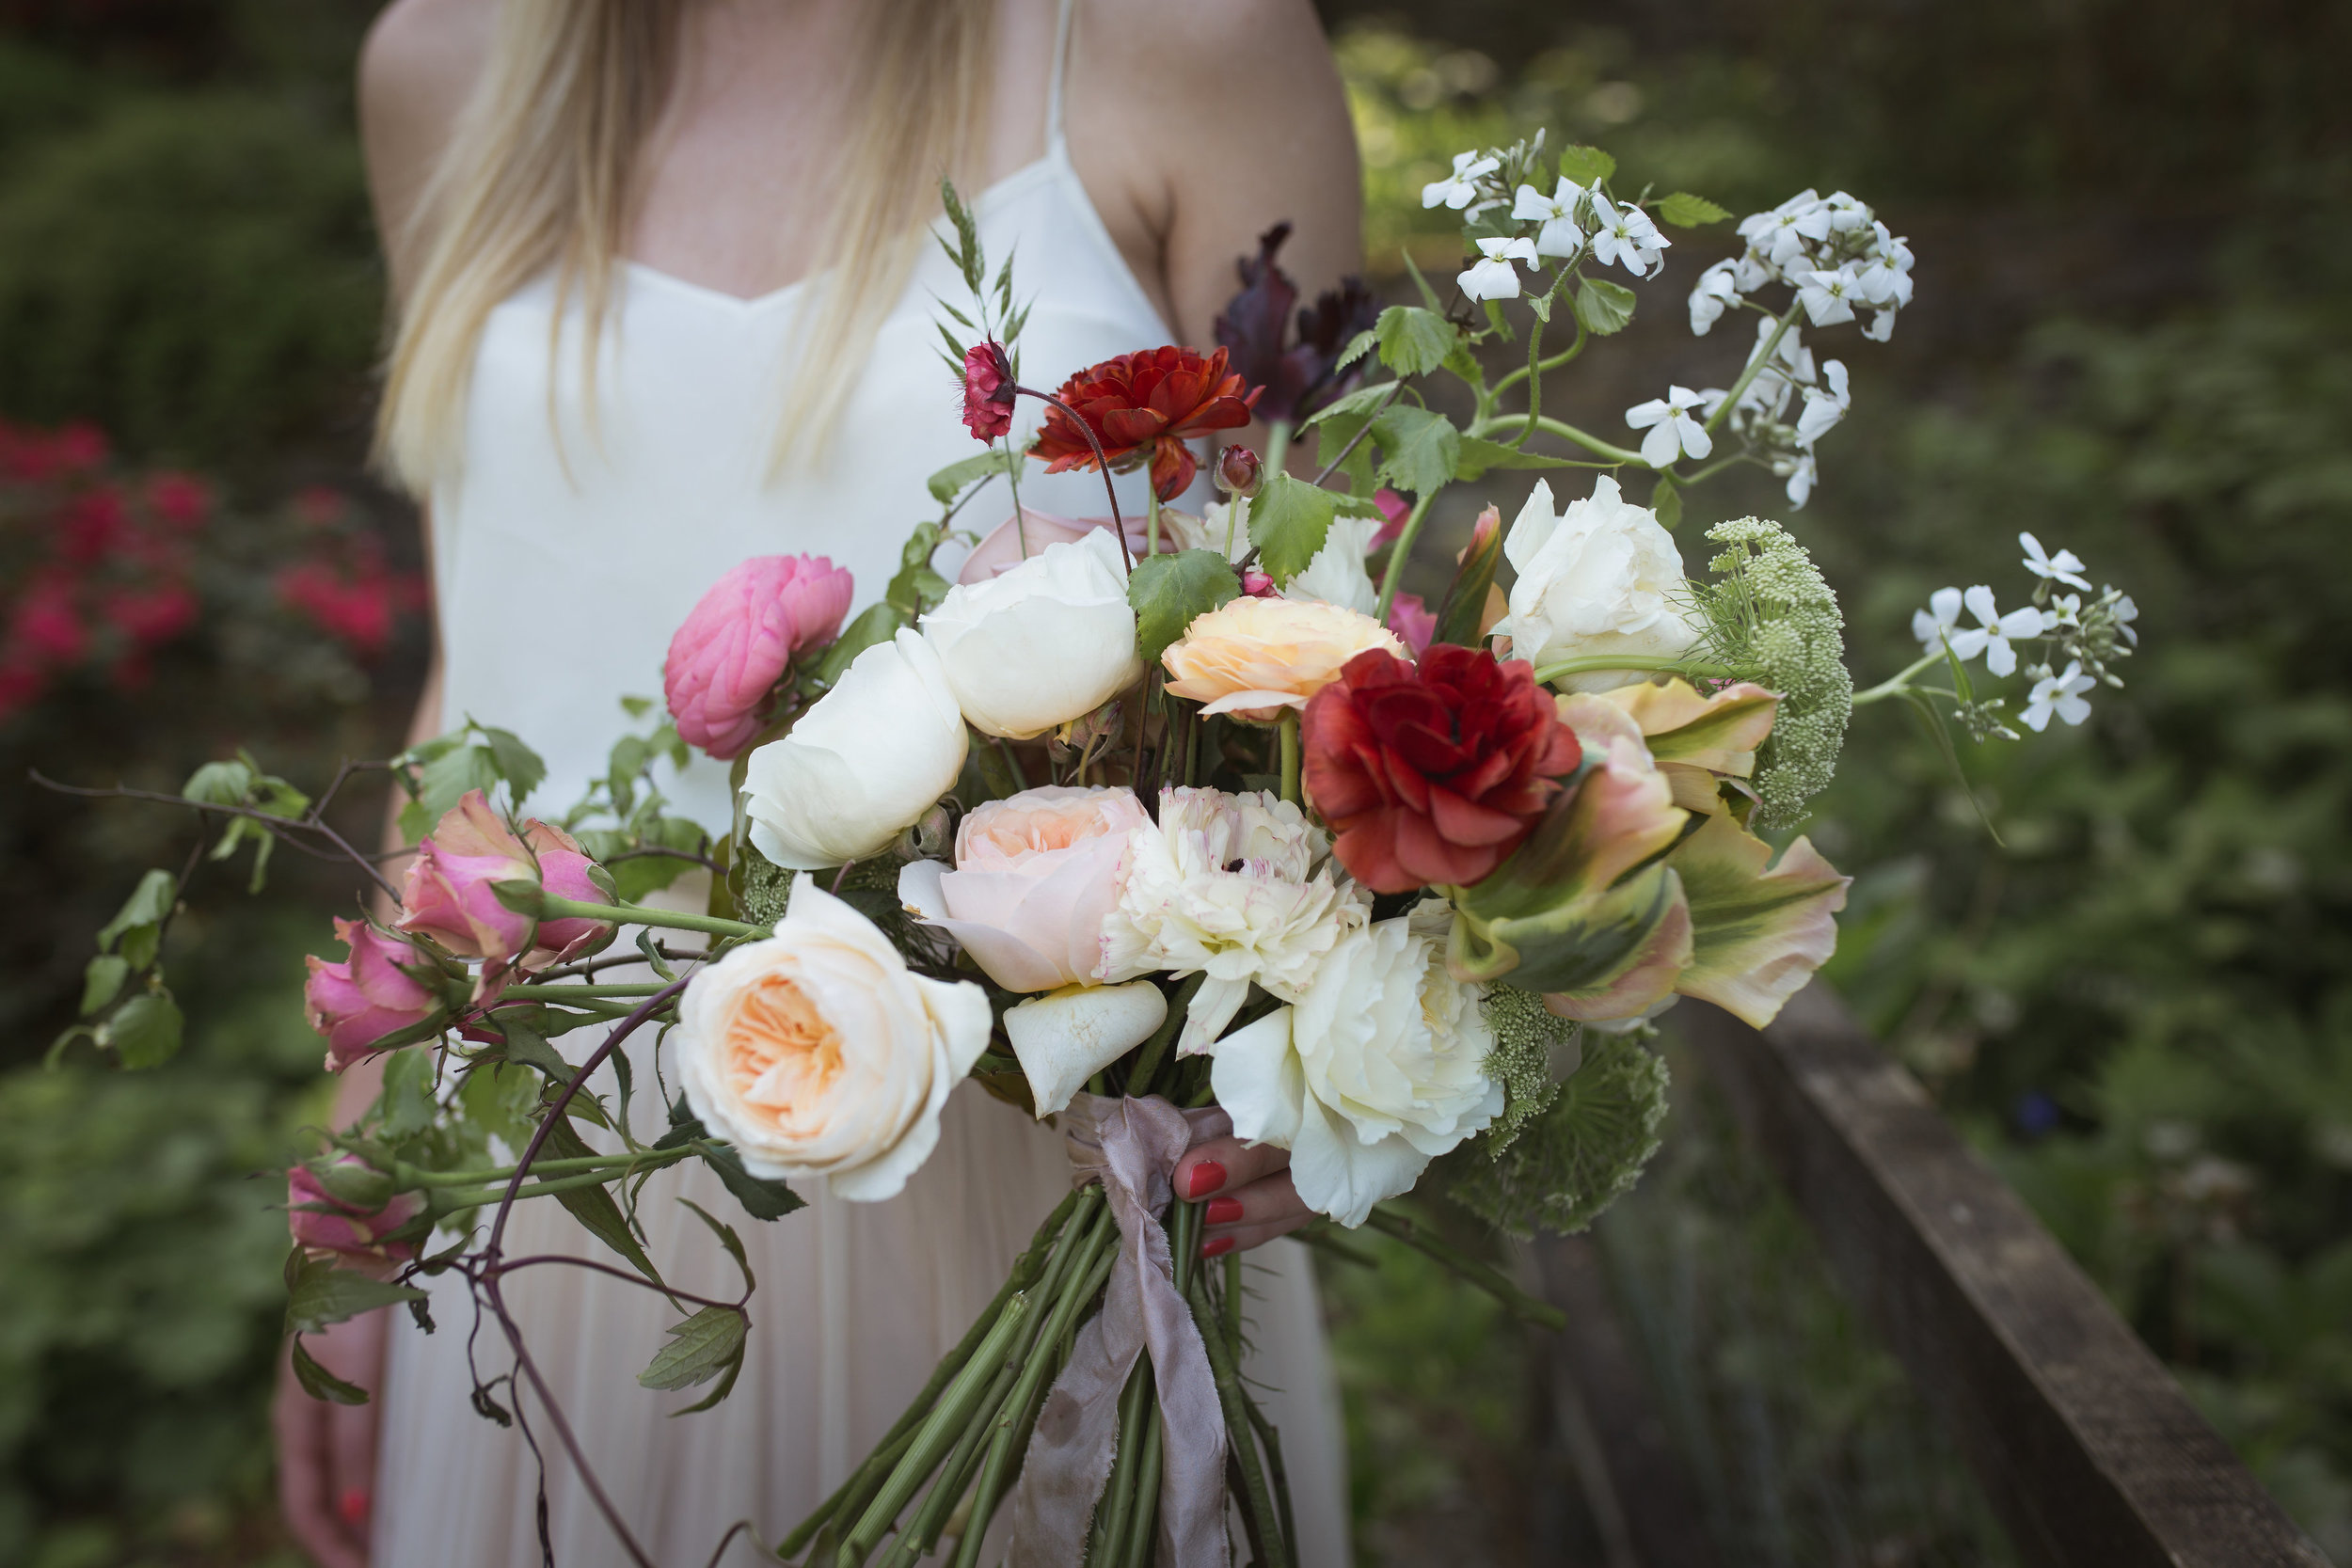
x=417, y=68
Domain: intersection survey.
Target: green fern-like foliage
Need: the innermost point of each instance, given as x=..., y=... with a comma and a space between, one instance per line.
x=1566, y=1164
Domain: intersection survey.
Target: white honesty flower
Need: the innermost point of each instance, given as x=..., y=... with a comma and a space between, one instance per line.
x=1337, y=575
x=1460, y=188
x=1992, y=637
x=1802, y=473
x=2065, y=566
x=1845, y=213
x=1885, y=279
x=2061, y=694
x=1560, y=236
x=1751, y=272
x=2123, y=612
x=1374, y=1071
x=1781, y=235
x=1672, y=432
x=1602, y=577
x=1225, y=886
x=1932, y=625
x=1627, y=237
x=1493, y=276
x=1882, y=327
x=1823, y=408
x=1718, y=291
x=1828, y=297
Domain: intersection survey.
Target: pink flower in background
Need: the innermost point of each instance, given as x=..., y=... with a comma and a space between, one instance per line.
x=734, y=647
x=150, y=615
x=47, y=629
x=368, y=995
x=1414, y=621
x=95, y=524
x=999, y=550
x=322, y=1224
x=180, y=500
x=1394, y=509
x=449, y=895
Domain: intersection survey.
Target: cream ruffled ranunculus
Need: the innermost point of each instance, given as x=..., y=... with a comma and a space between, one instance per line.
x=871, y=756
x=1601, y=578
x=816, y=1051
x=1254, y=658
x=1374, y=1071
x=1047, y=641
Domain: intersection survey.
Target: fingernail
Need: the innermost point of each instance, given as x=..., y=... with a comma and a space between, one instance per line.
x=1223, y=1210
x=1216, y=1246
x=1207, y=1177
x=352, y=1506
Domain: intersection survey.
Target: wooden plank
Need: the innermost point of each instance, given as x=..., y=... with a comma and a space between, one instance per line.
x=2088, y=1451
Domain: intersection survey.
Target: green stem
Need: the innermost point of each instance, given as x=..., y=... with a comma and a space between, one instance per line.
x=1237, y=1429
x=1142, y=1524
x=1278, y=446
x=1513, y=378
x=1275, y=1472
x=1154, y=1050
x=1895, y=685
x=1594, y=663
x=450, y=1200
x=1151, y=519
x=405, y=1176
x=539, y=991
x=1399, y=553
x=1230, y=1290
x=1012, y=483
x=554, y=908
x=1290, y=756
x=1756, y=366
x=1484, y=1275
x=1119, y=1494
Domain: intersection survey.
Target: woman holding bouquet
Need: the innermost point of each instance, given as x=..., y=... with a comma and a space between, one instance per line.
x=728, y=199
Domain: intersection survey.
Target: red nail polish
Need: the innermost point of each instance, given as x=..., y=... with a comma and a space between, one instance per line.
x=1223, y=1210
x=352, y=1506
x=1216, y=1246
x=1207, y=1177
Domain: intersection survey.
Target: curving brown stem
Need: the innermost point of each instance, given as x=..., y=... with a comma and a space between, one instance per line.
x=1118, y=524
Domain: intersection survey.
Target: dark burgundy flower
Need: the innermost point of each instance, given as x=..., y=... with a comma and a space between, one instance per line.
x=1432, y=775
x=987, y=392
x=1298, y=373
x=1324, y=330
x=1142, y=408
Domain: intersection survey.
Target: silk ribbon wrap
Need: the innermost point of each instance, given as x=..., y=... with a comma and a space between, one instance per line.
x=1131, y=1147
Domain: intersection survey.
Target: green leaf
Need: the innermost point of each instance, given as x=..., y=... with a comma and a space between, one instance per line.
x=1428, y=295
x=1357, y=348
x=955, y=478
x=527, y=1046
x=320, y=1384
x=1665, y=499
x=1413, y=340
x=1479, y=454
x=102, y=982
x=1603, y=307
x=516, y=763
x=145, y=1031
x=1357, y=405
x=1170, y=592
x=645, y=874
x=148, y=903
x=323, y=1295
x=876, y=623
x=501, y=1102
x=592, y=1206
x=1288, y=521
x=1339, y=435
x=1685, y=211
x=442, y=781
x=699, y=1348
x=219, y=784
x=1586, y=165
x=1421, y=446
x=407, y=1099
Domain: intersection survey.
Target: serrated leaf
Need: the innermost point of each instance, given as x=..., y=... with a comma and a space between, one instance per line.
x=527, y=1046
x=442, y=782
x=1603, y=307
x=955, y=478
x=1168, y=592
x=1586, y=165
x=1357, y=348
x=144, y=1032
x=1479, y=454
x=1413, y=342
x=727, y=1238
x=592, y=1206
x=321, y=1295
x=408, y=1097
x=1338, y=436
x=699, y=1350
x=1288, y=520
x=219, y=784
x=1685, y=211
x=522, y=768
x=320, y=1384
x=102, y=982
x=147, y=905
x=1419, y=446
x=1356, y=405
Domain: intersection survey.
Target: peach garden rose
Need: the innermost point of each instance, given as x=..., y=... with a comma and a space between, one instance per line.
x=1254, y=658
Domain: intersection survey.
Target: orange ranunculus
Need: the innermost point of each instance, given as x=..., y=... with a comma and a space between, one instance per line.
x=1144, y=406
x=1254, y=658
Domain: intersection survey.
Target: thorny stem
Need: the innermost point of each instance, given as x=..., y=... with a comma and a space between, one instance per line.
x=1484, y=1275
x=280, y=827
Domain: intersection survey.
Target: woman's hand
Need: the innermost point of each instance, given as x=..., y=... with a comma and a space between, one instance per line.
x=1250, y=1199
x=326, y=1452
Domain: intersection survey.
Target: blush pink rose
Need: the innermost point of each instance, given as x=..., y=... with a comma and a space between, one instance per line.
x=1035, y=874
x=728, y=658
x=449, y=895
x=374, y=992
x=324, y=1224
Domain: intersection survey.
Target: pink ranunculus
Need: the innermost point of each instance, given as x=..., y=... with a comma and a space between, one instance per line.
x=324, y=1224
x=450, y=892
x=733, y=649
x=1414, y=621
x=1035, y=874
x=368, y=995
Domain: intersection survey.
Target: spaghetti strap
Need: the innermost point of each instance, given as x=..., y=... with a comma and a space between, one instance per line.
x=1061, y=62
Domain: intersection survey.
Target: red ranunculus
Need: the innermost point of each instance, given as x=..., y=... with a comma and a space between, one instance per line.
x=1142, y=406
x=1432, y=774
x=987, y=392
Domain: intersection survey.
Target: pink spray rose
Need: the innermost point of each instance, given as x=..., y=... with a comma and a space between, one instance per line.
x=323, y=1223
x=1034, y=876
x=449, y=895
x=368, y=995
x=733, y=649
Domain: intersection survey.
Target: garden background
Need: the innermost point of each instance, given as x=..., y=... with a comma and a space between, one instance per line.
x=2133, y=335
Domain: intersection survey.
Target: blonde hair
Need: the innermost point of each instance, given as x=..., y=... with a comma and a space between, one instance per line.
x=540, y=173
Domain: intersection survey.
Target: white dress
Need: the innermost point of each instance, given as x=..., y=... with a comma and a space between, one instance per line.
x=563, y=567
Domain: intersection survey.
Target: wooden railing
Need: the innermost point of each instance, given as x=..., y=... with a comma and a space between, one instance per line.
x=2086, y=1448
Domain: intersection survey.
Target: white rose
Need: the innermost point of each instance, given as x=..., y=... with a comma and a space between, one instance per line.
x=1601, y=578
x=817, y=1053
x=1049, y=641
x=1337, y=575
x=1374, y=1073
x=871, y=756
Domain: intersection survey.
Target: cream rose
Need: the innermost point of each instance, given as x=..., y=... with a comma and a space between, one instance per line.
x=1049, y=641
x=1254, y=658
x=816, y=1051
x=1600, y=579
x=871, y=756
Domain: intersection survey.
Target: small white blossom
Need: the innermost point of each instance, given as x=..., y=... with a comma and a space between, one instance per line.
x=1803, y=474
x=1845, y=213
x=1751, y=272
x=1627, y=237
x=1886, y=275
x=2123, y=612
x=1460, y=188
x=1824, y=409
x=2060, y=694
x=2065, y=566
x=1991, y=638
x=1672, y=430
x=1942, y=614
x=1882, y=327
x=1718, y=290
x=1828, y=297
x=1558, y=236
x=1495, y=277
x=1781, y=235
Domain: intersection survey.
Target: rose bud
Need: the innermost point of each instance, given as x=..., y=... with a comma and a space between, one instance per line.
x=1238, y=471
x=727, y=659
x=451, y=893
x=386, y=987
x=324, y=1224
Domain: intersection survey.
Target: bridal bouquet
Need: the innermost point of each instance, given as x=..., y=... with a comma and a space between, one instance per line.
x=1164, y=828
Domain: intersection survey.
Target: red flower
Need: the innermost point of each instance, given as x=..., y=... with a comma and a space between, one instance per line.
x=1432, y=774
x=987, y=392
x=180, y=500
x=150, y=615
x=48, y=629
x=1146, y=405
x=95, y=522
